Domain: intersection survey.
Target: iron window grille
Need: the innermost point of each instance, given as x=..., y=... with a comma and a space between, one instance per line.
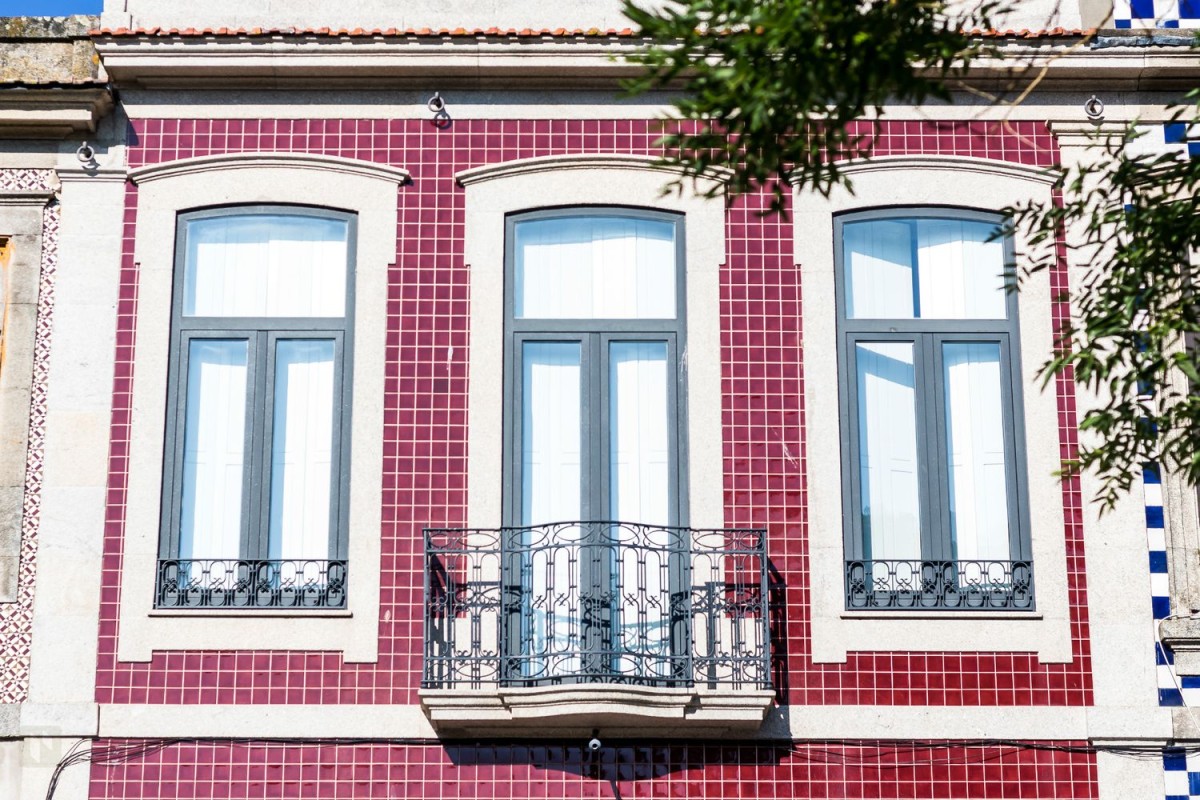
x=241, y=583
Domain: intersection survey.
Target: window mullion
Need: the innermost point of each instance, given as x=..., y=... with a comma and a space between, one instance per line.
x=513, y=374
x=676, y=452
x=341, y=438
x=915, y=256
x=176, y=434
x=590, y=406
x=255, y=544
x=597, y=480
x=934, y=530
x=851, y=446
x=1017, y=530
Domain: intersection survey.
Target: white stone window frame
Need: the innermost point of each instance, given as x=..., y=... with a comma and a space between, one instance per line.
x=586, y=180
x=165, y=190
x=955, y=182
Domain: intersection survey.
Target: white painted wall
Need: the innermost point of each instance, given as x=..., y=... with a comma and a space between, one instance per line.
x=455, y=13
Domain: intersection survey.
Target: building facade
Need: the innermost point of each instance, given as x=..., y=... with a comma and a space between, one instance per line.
x=376, y=427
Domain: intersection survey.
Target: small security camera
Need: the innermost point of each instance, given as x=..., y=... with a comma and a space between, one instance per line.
x=594, y=745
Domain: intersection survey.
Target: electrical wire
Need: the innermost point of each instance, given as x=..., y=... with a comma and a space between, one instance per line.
x=871, y=753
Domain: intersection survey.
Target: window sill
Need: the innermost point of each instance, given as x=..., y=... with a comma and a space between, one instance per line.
x=901, y=613
x=639, y=710
x=1182, y=637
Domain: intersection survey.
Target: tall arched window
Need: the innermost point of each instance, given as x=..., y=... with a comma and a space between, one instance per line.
x=596, y=450
x=257, y=447
x=933, y=462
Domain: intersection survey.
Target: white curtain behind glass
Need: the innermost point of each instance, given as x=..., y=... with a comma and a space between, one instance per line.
x=640, y=448
x=640, y=461
x=961, y=272
x=302, y=449
x=550, y=482
x=975, y=450
x=551, y=433
x=210, y=524
x=265, y=266
x=879, y=270
x=595, y=268
x=888, y=464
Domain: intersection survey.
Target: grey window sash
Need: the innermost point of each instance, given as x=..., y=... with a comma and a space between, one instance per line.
x=266, y=448
x=516, y=363
x=928, y=337
x=176, y=439
x=261, y=334
x=595, y=337
x=1013, y=434
x=595, y=418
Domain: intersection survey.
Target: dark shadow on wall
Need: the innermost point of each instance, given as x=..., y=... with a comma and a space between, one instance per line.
x=777, y=607
x=617, y=762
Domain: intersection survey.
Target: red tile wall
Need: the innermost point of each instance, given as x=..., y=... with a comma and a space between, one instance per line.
x=425, y=439
x=233, y=771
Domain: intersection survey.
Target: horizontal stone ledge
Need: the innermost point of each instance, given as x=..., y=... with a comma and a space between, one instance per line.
x=1182, y=637
x=617, y=709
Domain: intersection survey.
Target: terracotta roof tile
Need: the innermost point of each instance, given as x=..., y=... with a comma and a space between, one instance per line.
x=1025, y=33
x=362, y=32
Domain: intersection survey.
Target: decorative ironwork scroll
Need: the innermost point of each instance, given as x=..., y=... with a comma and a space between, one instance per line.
x=596, y=602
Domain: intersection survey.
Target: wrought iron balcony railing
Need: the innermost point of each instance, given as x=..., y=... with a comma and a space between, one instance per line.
x=596, y=602
x=245, y=583
x=971, y=585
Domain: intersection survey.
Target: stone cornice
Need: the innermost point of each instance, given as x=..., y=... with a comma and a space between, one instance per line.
x=315, y=60
x=280, y=61
x=51, y=113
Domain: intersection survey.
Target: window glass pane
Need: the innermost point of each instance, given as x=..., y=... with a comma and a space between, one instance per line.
x=214, y=444
x=265, y=265
x=639, y=450
x=959, y=272
x=550, y=433
x=879, y=269
x=595, y=268
x=639, y=428
x=962, y=273
x=887, y=450
x=551, y=444
x=302, y=449
x=975, y=450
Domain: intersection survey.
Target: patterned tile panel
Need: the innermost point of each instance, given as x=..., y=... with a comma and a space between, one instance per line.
x=16, y=619
x=1160, y=591
x=1180, y=138
x=1181, y=775
x=1156, y=13
x=1181, y=770
x=425, y=435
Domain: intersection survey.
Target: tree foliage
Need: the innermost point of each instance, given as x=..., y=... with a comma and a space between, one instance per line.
x=774, y=85
x=1134, y=220
x=772, y=89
